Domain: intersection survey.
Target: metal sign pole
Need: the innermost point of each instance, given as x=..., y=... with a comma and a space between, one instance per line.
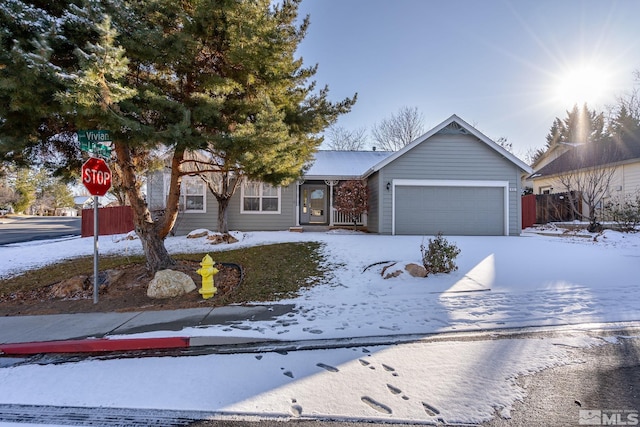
x=95, y=249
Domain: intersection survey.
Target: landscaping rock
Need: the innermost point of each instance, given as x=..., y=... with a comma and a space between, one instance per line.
x=112, y=276
x=68, y=288
x=197, y=235
x=393, y=274
x=416, y=270
x=221, y=238
x=169, y=284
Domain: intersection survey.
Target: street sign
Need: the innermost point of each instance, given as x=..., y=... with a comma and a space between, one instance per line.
x=96, y=176
x=93, y=141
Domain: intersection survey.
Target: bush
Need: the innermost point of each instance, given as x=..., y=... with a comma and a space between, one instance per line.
x=625, y=212
x=439, y=256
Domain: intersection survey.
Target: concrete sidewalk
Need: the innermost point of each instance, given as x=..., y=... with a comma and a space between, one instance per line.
x=80, y=332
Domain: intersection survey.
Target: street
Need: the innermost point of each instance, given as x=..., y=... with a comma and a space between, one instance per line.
x=17, y=229
x=601, y=379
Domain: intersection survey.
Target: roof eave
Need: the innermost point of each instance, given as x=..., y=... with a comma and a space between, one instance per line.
x=453, y=118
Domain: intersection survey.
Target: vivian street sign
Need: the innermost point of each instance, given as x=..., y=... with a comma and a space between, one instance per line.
x=94, y=141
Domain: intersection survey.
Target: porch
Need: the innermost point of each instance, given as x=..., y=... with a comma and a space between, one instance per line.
x=315, y=207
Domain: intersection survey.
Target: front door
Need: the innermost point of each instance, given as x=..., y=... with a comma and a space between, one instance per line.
x=313, y=204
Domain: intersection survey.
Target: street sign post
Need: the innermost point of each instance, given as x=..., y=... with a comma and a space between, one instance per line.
x=96, y=177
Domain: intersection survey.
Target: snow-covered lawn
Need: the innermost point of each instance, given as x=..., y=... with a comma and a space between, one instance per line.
x=530, y=280
x=501, y=282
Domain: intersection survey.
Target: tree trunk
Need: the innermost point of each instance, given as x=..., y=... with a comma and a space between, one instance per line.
x=147, y=230
x=223, y=204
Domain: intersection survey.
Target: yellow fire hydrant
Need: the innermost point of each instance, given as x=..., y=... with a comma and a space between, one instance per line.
x=207, y=271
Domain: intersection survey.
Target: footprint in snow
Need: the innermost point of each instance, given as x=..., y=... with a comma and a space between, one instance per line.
x=296, y=410
x=376, y=405
x=430, y=409
x=327, y=367
x=394, y=390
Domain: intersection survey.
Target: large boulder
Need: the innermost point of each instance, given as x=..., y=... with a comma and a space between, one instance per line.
x=416, y=270
x=170, y=284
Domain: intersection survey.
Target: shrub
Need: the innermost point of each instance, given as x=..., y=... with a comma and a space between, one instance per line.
x=625, y=212
x=439, y=256
x=352, y=199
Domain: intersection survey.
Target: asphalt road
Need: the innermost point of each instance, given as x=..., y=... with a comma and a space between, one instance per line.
x=602, y=387
x=17, y=229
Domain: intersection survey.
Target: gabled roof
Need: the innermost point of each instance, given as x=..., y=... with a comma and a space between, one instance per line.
x=465, y=127
x=328, y=164
x=608, y=152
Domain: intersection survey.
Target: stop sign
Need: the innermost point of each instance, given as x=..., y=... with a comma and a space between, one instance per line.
x=96, y=176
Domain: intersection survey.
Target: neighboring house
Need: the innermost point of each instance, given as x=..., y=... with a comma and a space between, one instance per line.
x=453, y=180
x=617, y=161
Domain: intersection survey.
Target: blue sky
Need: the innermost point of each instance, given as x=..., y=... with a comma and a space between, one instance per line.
x=507, y=67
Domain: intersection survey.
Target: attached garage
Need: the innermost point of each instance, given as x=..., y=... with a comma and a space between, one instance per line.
x=471, y=208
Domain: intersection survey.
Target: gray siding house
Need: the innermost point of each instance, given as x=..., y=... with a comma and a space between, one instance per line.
x=453, y=179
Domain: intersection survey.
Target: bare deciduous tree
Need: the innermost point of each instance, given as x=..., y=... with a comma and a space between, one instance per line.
x=589, y=184
x=7, y=196
x=400, y=129
x=342, y=139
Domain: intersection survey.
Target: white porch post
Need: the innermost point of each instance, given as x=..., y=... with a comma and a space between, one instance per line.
x=330, y=183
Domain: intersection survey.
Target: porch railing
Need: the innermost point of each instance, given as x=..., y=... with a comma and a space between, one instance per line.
x=342, y=219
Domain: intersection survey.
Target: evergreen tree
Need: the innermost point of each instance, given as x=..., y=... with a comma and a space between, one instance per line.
x=26, y=191
x=218, y=76
x=62, y=196
x=624, y=124
x=579, y=127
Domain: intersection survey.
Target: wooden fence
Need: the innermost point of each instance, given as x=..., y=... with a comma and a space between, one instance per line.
x=528, y=210
x=113, y=220
x=545, y=208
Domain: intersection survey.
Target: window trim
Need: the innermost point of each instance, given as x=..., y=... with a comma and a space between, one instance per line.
x=183, y=195
x=260, y=196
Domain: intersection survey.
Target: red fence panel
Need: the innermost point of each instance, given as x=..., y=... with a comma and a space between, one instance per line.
x=528, y=210
x=113, y=220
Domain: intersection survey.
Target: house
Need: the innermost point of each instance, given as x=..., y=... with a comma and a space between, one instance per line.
x=608, y=170
x=453, y=179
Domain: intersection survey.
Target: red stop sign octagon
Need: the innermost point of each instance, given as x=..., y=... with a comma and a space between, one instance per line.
x=96, y=176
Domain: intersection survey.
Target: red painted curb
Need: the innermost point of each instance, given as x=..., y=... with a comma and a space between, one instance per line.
x=94, y=345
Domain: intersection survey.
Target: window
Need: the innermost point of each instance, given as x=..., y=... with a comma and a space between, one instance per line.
x=258, y=197
x=192, y=194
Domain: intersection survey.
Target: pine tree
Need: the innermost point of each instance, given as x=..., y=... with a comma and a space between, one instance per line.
x=580, y=126
x=218, y=76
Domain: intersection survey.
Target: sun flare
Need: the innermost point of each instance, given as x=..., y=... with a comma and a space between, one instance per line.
x=586, y=83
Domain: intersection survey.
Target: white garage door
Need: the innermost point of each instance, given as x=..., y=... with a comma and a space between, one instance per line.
x=452, y=210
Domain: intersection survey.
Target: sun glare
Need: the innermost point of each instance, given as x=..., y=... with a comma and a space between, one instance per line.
x=582, y=84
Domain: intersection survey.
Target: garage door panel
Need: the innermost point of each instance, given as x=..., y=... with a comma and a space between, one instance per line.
x=427, y=210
